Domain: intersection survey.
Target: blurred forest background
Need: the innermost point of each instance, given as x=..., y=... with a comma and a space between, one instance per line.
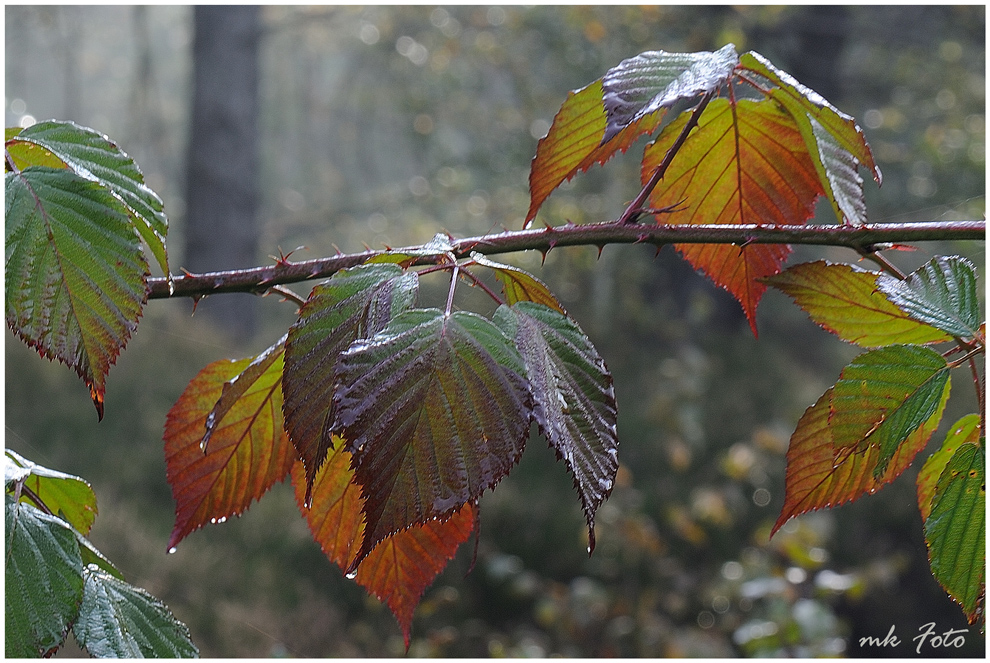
x=384, y=125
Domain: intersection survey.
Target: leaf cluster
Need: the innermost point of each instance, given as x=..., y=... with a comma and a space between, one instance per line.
x=392, y=417
x=57, y=581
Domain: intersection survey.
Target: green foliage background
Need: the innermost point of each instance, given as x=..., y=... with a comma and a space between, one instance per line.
x=385, y=125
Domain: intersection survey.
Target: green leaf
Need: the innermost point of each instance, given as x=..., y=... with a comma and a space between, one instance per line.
x=435, y=410
x=655, y=80
x=43, y=582
x=884, y=395
x=941, y=293
x=573, y=398
x=844, y=300
x=93, y=156
x=75, y=275
x=65, y=495
x=354, y=303
x=118, y=620
x=955, y=531
x=965, y=430
x=90, y=555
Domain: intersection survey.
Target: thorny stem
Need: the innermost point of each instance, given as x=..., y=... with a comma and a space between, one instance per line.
x=871, y=253
x=635, y=208
x=858, y=238
x=481, y=284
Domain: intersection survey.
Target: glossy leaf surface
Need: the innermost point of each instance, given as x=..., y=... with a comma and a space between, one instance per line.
x=94, y=157
x=941, y=293
x=573, y=398
x=75, y=274
x=435, y=410
x=118, y=620
x=66, y=496
x=655, y=80
x=248, y=452
x=732, y=169
x=844, y=300
x=402, y=566
x=43, y=583
x=820, y=475
x=955, y=530
x=884, y=395
x=354, y=303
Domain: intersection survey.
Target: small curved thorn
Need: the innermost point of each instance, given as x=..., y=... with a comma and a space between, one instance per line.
x=186, y=272
x=366, y=247
x=543, y=259
x=547, y=228
x=601, y=247
x=196, y=299
x=642, y=237
x=659, y=246
x=337, y=249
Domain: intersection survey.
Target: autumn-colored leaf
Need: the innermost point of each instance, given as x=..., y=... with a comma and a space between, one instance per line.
x=519, y=285
x=607, y=116
x=955, y=530
x=965, y=430
x=354, y=303
x=844, y=300
x=402, y=566
x=435, y=409
x=573, y=398
x=820, y=476
x=941, y=293
x=745, y=163
x=885, y=394
x=248, y=452
x=574, y=143
x=75, y=275
x=843, y=128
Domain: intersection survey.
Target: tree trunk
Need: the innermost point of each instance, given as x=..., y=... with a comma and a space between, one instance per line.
x=221, y=191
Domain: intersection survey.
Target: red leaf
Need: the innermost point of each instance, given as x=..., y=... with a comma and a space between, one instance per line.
x=746, y=163
x=402, y=566
x=248, y=452
x=820, y=475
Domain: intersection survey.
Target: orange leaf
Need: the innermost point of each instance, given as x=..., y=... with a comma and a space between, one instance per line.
x=248, y=452
x=820, y=475
x=746, y=163
x=400, y=568
x=574, y=142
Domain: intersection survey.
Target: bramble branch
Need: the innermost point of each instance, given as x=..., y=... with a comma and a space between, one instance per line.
x=864, y=239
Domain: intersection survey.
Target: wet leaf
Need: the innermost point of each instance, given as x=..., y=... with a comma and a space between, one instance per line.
x=248, y=453
x=95, y=157
x=43, y=583
x=75, y=274
x=118, y=620
x=820, y=475
x=884, y=395
x=573, y=398
x=353, y=304
x=435, y=410
x=941, y=293
x=732, y=170
x=402, y=566
x=955, y=530
x=844, y=300
x=66, y=496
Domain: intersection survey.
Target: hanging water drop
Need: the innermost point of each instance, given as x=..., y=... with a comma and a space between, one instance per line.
x=351, y=576
x=171, y=551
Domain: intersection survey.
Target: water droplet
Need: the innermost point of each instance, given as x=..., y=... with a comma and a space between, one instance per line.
x=351, y=576
x=171, y=551
x=213, y=521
